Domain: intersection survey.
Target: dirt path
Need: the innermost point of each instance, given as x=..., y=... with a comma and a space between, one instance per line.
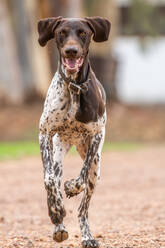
x=127, y=210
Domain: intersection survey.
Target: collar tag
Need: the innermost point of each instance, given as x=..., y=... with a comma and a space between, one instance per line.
x=78, y=88
x=74, y=87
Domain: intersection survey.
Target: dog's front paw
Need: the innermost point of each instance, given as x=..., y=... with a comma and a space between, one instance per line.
x=60, y=234
x=73, y=187
x=90, y=243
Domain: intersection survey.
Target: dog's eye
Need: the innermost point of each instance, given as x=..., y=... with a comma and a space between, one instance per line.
x=62, y=33
x=82, y=33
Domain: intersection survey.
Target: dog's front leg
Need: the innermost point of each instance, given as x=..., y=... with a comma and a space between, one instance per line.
x=87, y=152
x=53, y=151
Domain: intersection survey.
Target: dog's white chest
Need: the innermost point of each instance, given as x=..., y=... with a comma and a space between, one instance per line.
x=59, y=114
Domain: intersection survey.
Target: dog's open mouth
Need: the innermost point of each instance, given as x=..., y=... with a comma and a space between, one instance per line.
x=72, y=64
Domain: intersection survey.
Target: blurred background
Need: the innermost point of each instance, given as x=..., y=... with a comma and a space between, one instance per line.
x=130, y=66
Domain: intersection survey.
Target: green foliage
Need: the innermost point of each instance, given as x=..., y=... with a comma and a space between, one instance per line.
x=144, y=19
x=17, y=150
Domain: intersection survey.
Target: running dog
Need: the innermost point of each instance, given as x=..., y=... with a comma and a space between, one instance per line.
x=74, y=114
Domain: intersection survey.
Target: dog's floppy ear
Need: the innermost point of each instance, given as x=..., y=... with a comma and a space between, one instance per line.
x=46, y=29
x=100, y=28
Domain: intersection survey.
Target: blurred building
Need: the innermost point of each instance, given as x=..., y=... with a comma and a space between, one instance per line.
x=140, y=50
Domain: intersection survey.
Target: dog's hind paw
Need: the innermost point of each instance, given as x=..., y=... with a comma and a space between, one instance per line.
x=90, y=243
x=60, y=234
x=73, y=187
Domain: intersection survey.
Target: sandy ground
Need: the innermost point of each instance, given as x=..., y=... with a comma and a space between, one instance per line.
x=127, y=210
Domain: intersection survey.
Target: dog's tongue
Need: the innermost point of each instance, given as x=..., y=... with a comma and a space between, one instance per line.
x=71, y=63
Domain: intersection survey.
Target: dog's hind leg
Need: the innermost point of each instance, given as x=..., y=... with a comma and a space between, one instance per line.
x=91, y=176
x=53, y=151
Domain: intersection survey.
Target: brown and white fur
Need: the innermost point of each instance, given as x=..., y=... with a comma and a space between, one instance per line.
x=74, y=114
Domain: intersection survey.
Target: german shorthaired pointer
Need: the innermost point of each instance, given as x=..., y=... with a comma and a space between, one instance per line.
x=74, y=114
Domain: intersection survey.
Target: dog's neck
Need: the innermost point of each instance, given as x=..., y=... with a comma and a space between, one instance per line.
x=80, y=77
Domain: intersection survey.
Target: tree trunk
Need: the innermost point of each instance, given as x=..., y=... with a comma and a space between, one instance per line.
x=11, y=89
x=38, y=58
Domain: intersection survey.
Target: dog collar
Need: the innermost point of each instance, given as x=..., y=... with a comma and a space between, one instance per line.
x=72, y=85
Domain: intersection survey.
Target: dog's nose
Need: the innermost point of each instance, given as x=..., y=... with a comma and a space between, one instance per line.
x=71, y=51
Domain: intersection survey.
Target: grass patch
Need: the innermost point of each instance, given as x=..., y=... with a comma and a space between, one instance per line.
x=20, y=149
x=115, y=146
x=16, y=150
x=121, y=146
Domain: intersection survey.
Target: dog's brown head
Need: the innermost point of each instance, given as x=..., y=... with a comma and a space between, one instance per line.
x=73, y=36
